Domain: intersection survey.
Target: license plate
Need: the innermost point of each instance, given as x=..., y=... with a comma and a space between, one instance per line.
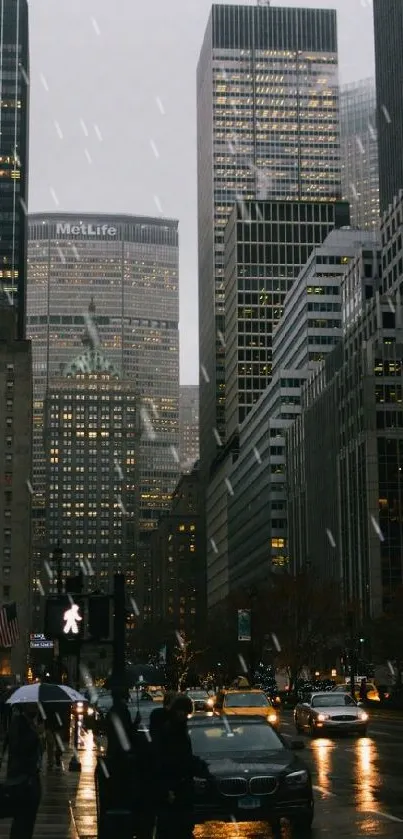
x=250, y=802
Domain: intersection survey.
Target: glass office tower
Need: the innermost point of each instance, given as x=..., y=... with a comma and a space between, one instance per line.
x=359, y=153
x=268, y=128
x=118, y=274
x=14, y=120
x=388, y=25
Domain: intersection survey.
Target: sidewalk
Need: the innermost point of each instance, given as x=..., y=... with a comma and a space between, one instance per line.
x=68, y=806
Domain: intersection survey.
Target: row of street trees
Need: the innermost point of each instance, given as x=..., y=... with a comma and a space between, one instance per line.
x=297, y=622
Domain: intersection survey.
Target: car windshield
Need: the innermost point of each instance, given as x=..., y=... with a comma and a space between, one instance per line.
x=246, y=700
x=332, y=701
x=220, y=737
x=198, y=694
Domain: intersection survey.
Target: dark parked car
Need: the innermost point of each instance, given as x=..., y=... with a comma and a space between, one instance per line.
x=257, y=776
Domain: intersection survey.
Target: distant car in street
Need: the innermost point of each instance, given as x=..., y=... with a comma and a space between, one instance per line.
x=330, y=711
x=256, y=775
x=372, y=691
x=202, y=701
x=245, y=703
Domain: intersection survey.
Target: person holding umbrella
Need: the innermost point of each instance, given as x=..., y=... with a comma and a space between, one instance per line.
x=24, y=763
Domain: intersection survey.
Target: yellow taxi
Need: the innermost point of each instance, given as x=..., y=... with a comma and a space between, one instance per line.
x=372, y=691
x=246, y=703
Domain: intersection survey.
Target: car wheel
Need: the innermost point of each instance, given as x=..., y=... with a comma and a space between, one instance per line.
x=304, y=824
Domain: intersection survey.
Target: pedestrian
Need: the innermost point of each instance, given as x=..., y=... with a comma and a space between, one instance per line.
x=24, y=763
x=159, y=716
x=129, y=759
x=363, y=690
x=53, y=750
x=143, y=774
x=176, y=768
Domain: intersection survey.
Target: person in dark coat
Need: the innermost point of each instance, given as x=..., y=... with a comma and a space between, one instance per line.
x=119, y=728
x=176, y=768
x=53, y=750
x=363, y=690
x=160, y=716
x=129, y=761
x=24, y=761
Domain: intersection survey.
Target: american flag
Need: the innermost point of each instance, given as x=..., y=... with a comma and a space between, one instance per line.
x=9, y=629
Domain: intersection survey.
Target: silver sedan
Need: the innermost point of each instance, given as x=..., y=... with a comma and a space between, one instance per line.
x=330, y=711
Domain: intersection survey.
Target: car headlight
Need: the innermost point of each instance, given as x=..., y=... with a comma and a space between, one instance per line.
x=90, y=711
x=272, y=718
x=323, y=717
x=297, y=779
x=363, y=716
x=210, y=702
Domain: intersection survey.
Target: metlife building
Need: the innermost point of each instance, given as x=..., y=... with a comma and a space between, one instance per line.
x=126, y=268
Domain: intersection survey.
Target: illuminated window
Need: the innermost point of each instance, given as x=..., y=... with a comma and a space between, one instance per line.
x=181, y=528
x=277, y=543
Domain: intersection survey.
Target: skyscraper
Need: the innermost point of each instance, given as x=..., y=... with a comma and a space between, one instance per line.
x=268, y=127
x=14, y=120
x=267, y=243
x=359, y=153
x=129, y=266
x=388, y=24
x=188, y=426
x=91, y=448
x=15, y=496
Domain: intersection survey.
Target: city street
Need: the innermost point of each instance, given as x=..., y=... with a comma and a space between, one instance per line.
x=358, y=790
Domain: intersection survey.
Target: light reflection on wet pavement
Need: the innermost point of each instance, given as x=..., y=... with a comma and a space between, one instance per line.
x=358, y=789
x=358, y=792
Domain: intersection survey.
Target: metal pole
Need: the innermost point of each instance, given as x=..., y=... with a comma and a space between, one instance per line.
x=119, y=630
x=352, y=652
x=57, y=558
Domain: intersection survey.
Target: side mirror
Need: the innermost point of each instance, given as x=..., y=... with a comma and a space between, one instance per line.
x=297, y=745
x=360, y=704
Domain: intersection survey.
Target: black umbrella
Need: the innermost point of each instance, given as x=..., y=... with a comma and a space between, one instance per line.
x=44, y=692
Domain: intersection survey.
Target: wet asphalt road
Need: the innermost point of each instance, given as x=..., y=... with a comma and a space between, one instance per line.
x=358, y=786
x=358, y=791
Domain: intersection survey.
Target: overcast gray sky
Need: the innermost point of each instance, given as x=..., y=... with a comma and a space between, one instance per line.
x=127, y=70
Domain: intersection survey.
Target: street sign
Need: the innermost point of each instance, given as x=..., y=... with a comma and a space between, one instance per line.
x=37, y=641
x=244, y=625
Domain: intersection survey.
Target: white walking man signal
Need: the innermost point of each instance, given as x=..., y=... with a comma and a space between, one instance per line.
x=71, y=619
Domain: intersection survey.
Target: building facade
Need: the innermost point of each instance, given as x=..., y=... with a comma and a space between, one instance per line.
x=129, y=265
x=359, y=153
x=178, y=562
x=15, y=495
x=256, y=491
x=388, y=25
x=14, y=126
x=348, y=478
x=91, y=430
x=268, y=127
x=266, y=245
x=188, y=427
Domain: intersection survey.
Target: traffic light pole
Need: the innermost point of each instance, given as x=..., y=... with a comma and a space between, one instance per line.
x=119, y=630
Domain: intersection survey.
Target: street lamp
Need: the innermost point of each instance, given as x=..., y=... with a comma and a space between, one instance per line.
x=57, y=559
